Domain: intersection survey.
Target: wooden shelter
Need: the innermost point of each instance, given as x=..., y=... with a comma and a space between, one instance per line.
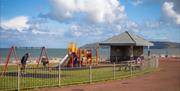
x=126, y=46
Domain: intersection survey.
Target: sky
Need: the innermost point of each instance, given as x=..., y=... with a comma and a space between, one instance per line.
x=55, y=23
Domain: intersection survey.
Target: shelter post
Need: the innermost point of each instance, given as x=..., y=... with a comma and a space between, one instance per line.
x=131, y=53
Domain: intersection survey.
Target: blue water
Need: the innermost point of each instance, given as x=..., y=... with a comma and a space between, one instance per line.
x=172, y=51
x=60, y=53
x=34, y=52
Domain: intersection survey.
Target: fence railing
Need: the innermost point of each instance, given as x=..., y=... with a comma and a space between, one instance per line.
x=14, y=79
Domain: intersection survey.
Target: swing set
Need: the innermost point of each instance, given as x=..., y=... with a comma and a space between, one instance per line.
x=13, y=50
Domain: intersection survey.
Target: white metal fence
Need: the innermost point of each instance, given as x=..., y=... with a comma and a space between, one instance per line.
x=14, y=79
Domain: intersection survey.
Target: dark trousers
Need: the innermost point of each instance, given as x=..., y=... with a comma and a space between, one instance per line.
x=23, y=66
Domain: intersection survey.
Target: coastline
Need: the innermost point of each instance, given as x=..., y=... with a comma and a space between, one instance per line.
x=57, y=60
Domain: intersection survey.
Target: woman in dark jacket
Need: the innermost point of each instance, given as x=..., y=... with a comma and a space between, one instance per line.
x=23, y=61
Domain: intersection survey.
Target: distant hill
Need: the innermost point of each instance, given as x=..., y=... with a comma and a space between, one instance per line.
x=157, y=45
x=92, y=45
x=162, y=45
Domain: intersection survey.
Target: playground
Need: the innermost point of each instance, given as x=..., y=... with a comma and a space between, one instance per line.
x=77, y=67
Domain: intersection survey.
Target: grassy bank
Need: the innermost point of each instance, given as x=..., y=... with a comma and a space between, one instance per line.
x=35, y=78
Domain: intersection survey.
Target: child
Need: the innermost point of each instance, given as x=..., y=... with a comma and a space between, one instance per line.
x=44, y=61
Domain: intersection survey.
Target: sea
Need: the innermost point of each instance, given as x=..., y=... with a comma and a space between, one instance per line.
x=60, y=53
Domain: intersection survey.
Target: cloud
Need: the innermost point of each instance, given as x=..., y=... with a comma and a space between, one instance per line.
x=170, y=12
x=95, y=11
x=76, y=30
x=153, y=24
x=132, y=26
x=176, y=5
x=136, y=2
x=90, y=18
x=145, y=3
x=81, y=21
x=19, y=23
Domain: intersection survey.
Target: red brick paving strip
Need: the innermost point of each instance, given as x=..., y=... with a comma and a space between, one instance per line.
x=167, y=79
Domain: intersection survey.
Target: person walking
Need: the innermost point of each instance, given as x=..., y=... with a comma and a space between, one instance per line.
x=23, y=62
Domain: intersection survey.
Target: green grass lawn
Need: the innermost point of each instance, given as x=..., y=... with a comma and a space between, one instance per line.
x=67, y=77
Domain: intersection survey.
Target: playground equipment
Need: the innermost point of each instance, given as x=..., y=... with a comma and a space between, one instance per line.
x=97, y=55
x=43, y=51
x=74, y=55
x=88, y=54
x=13, y=50
x=77, y=57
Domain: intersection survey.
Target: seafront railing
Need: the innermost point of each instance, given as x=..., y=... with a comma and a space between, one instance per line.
x=33, y=77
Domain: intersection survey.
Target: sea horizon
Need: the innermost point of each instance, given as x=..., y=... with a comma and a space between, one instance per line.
x=61, y=52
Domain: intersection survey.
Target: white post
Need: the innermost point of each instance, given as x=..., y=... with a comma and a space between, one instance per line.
x=59, y=73
x=90, y=74
x=114, y=71
x=18, y=80
x=132, y=54
x=157, y=62
x=131, y=58
x=131, y=68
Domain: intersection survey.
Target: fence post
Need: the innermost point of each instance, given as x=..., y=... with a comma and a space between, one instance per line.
x=59, y=73
x=131, y=68
x=114, y=71
x=18, y=80
x=157, y=62
x=90, y=74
